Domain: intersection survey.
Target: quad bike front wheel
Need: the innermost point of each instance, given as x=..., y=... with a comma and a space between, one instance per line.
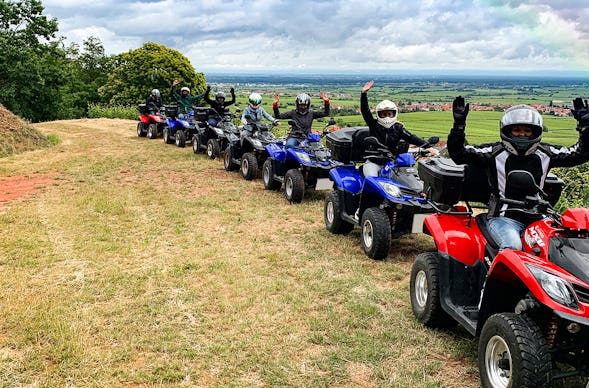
x=195, y=143
x=249, y=166
x=180, y=139
x=268, y=176
x=213, y=148
x=227, y=162
x=513, y=353
x=294, y=186
x=376, y=233
x=141, y=132
x=424, y=288
x=332, y=214
x=152, y=131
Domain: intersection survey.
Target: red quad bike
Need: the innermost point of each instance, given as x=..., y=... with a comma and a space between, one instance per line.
x=151, y=124
x=529, y=308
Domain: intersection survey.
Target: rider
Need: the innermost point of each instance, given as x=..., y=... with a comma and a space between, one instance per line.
x=154, y=101
x=519, y=149
x=302, y=117
x=185, y=100
x=386, y=129
x=218, y=104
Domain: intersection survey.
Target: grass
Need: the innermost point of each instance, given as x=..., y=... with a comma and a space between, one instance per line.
x=143, y=264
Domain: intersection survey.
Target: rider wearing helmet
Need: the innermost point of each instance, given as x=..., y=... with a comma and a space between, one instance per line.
x=386, y=128
x=218, y=105
x=520, y=148
x=302, y=116
x=154, y=101
x=254, y=112
x=185, y=100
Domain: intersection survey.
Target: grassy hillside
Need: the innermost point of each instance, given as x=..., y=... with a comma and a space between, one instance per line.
x=17, y=136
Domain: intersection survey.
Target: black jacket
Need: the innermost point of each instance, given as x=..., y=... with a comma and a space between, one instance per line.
x=498, y=162
x=387, y=136
x=153, y=104
x=302, y=122
x=219, y=107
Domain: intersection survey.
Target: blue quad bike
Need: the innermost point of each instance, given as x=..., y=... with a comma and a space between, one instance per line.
x=212, y=139
x=386, y=206
x=177, y=130
x=303, y=167
x=248, y=151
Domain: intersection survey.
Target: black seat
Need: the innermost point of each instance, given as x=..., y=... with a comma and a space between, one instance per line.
x=492, y=248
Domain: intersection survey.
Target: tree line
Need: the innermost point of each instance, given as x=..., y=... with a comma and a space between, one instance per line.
x=43, y=79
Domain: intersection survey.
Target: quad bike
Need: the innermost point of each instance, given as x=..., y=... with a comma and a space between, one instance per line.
x=177, y=130
x=214, y=138
x=249, y=151
x=151, y=124
x=303, y=167
x=529, y=308
x=386, y=206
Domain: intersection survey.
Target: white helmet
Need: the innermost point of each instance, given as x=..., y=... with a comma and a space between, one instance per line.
x=386, y=120
x=185, y=89
x=155, y=93
x=521, y=115
x=254, y=100
x=303, y=99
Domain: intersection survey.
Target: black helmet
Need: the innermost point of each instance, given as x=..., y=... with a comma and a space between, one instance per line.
x=220, y=95
x=521, y=115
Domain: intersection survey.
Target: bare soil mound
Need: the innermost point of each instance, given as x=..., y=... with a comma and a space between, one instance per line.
x=17, y=136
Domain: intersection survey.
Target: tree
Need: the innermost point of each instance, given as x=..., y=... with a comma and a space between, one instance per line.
x=31, y=64
x=137, y=72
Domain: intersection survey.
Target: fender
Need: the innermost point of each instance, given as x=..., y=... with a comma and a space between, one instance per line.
x=347, y=178
x=510, y=264
x=575, y=218
x=294, y=154
x=144, y=119
x=276, y=151
x=156, y=118
x=405, y=160
x=457, y=236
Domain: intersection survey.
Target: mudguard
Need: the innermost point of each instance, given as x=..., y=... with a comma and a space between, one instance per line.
x=144, y=119
x=575, y=218
x=457, y=236
x=347, y=178
x=276, y=151
x=405, y=160
x=510, y=264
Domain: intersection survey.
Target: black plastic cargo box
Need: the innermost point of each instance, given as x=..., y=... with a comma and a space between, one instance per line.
x=346, y=144
x=171, y=110
x=142, y=108
x=201, y=113
x=448, y=183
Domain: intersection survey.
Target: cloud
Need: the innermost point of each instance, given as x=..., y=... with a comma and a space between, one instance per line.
x=335, y=35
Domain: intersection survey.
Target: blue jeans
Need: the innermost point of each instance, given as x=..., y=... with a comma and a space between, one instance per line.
x=506, y=232
x=213, y=121
x=291, y=142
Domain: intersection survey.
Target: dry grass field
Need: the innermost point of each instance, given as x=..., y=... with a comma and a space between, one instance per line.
x=128, y=262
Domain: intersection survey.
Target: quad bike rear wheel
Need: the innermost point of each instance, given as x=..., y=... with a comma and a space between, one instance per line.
x=424, y=288
x=332, y=214
x=180, y=139
x=227, y=162
x=268, y=176
x=141, y=132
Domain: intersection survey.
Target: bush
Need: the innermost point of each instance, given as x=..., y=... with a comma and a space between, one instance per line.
x=576, y=186
x=112, y=112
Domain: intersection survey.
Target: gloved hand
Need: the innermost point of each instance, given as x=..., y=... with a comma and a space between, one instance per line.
x=581, y=114
x=459, y=111
x=232, y=91
x=208, y=88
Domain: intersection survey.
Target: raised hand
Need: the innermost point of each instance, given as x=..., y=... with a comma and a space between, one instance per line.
x=367, y=86
x=176, y=82
x=580, y=112
x=324, y=96
x=276, y=99
x=459, y=111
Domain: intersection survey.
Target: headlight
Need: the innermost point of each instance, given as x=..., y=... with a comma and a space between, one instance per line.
x=558, y=289
x=390, y=189
x=304, y=157
x=257, y=143
x=219, y=131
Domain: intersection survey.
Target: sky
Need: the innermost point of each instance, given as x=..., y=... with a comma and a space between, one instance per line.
x=442, y=36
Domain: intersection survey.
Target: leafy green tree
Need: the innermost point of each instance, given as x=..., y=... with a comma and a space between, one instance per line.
x=88, y=68
x=32, y=63
x=137, y=72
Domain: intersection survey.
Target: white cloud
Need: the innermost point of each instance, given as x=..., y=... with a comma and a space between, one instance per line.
x=341, y=35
